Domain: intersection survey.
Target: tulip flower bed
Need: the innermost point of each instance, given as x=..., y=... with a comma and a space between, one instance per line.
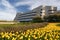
x=50, y=32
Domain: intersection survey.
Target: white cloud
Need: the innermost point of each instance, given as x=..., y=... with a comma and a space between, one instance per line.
x=5, y=16
x=6, y=3
x=9, y=12
x=35, y=3
x=22, y=3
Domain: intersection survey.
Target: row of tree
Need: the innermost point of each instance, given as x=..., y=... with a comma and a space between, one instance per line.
x=50, y=18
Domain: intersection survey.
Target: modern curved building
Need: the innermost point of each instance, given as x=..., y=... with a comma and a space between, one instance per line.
x=40, y=11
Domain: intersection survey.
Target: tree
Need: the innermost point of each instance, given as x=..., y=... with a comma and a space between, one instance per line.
x=37, y=20
x=53, y=18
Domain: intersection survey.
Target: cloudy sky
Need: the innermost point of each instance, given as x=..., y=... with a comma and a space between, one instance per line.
x=9, y=8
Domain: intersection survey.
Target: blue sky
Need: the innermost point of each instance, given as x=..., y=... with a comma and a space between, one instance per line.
x=9, y=8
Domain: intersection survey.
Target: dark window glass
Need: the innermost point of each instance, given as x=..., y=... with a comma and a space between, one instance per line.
x=41, y=9
x=27, y=15
x=40, y=12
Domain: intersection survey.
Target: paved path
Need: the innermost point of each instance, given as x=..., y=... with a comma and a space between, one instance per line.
x=7, y=22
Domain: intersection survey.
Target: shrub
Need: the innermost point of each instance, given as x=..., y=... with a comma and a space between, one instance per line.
x=37, y=20
x=53, y=18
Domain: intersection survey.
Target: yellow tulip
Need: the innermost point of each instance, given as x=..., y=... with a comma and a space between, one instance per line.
x=28, y=38
x=13, y=38
x=16, y=32
x=45, y=37
x=21, y=37
x=26, y=35
x=34, y=36
x=57, y=36
x=50, y=38
x=1, y=33
x=3, y=36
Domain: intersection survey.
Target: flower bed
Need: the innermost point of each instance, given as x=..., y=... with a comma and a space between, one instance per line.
x=51, y=32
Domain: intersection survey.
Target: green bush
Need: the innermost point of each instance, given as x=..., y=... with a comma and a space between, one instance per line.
x=37, y=20
x=53, y=18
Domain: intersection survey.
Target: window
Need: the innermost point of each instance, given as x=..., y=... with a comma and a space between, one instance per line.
x=41, y=9
x=51, y=10
x=40, y=12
